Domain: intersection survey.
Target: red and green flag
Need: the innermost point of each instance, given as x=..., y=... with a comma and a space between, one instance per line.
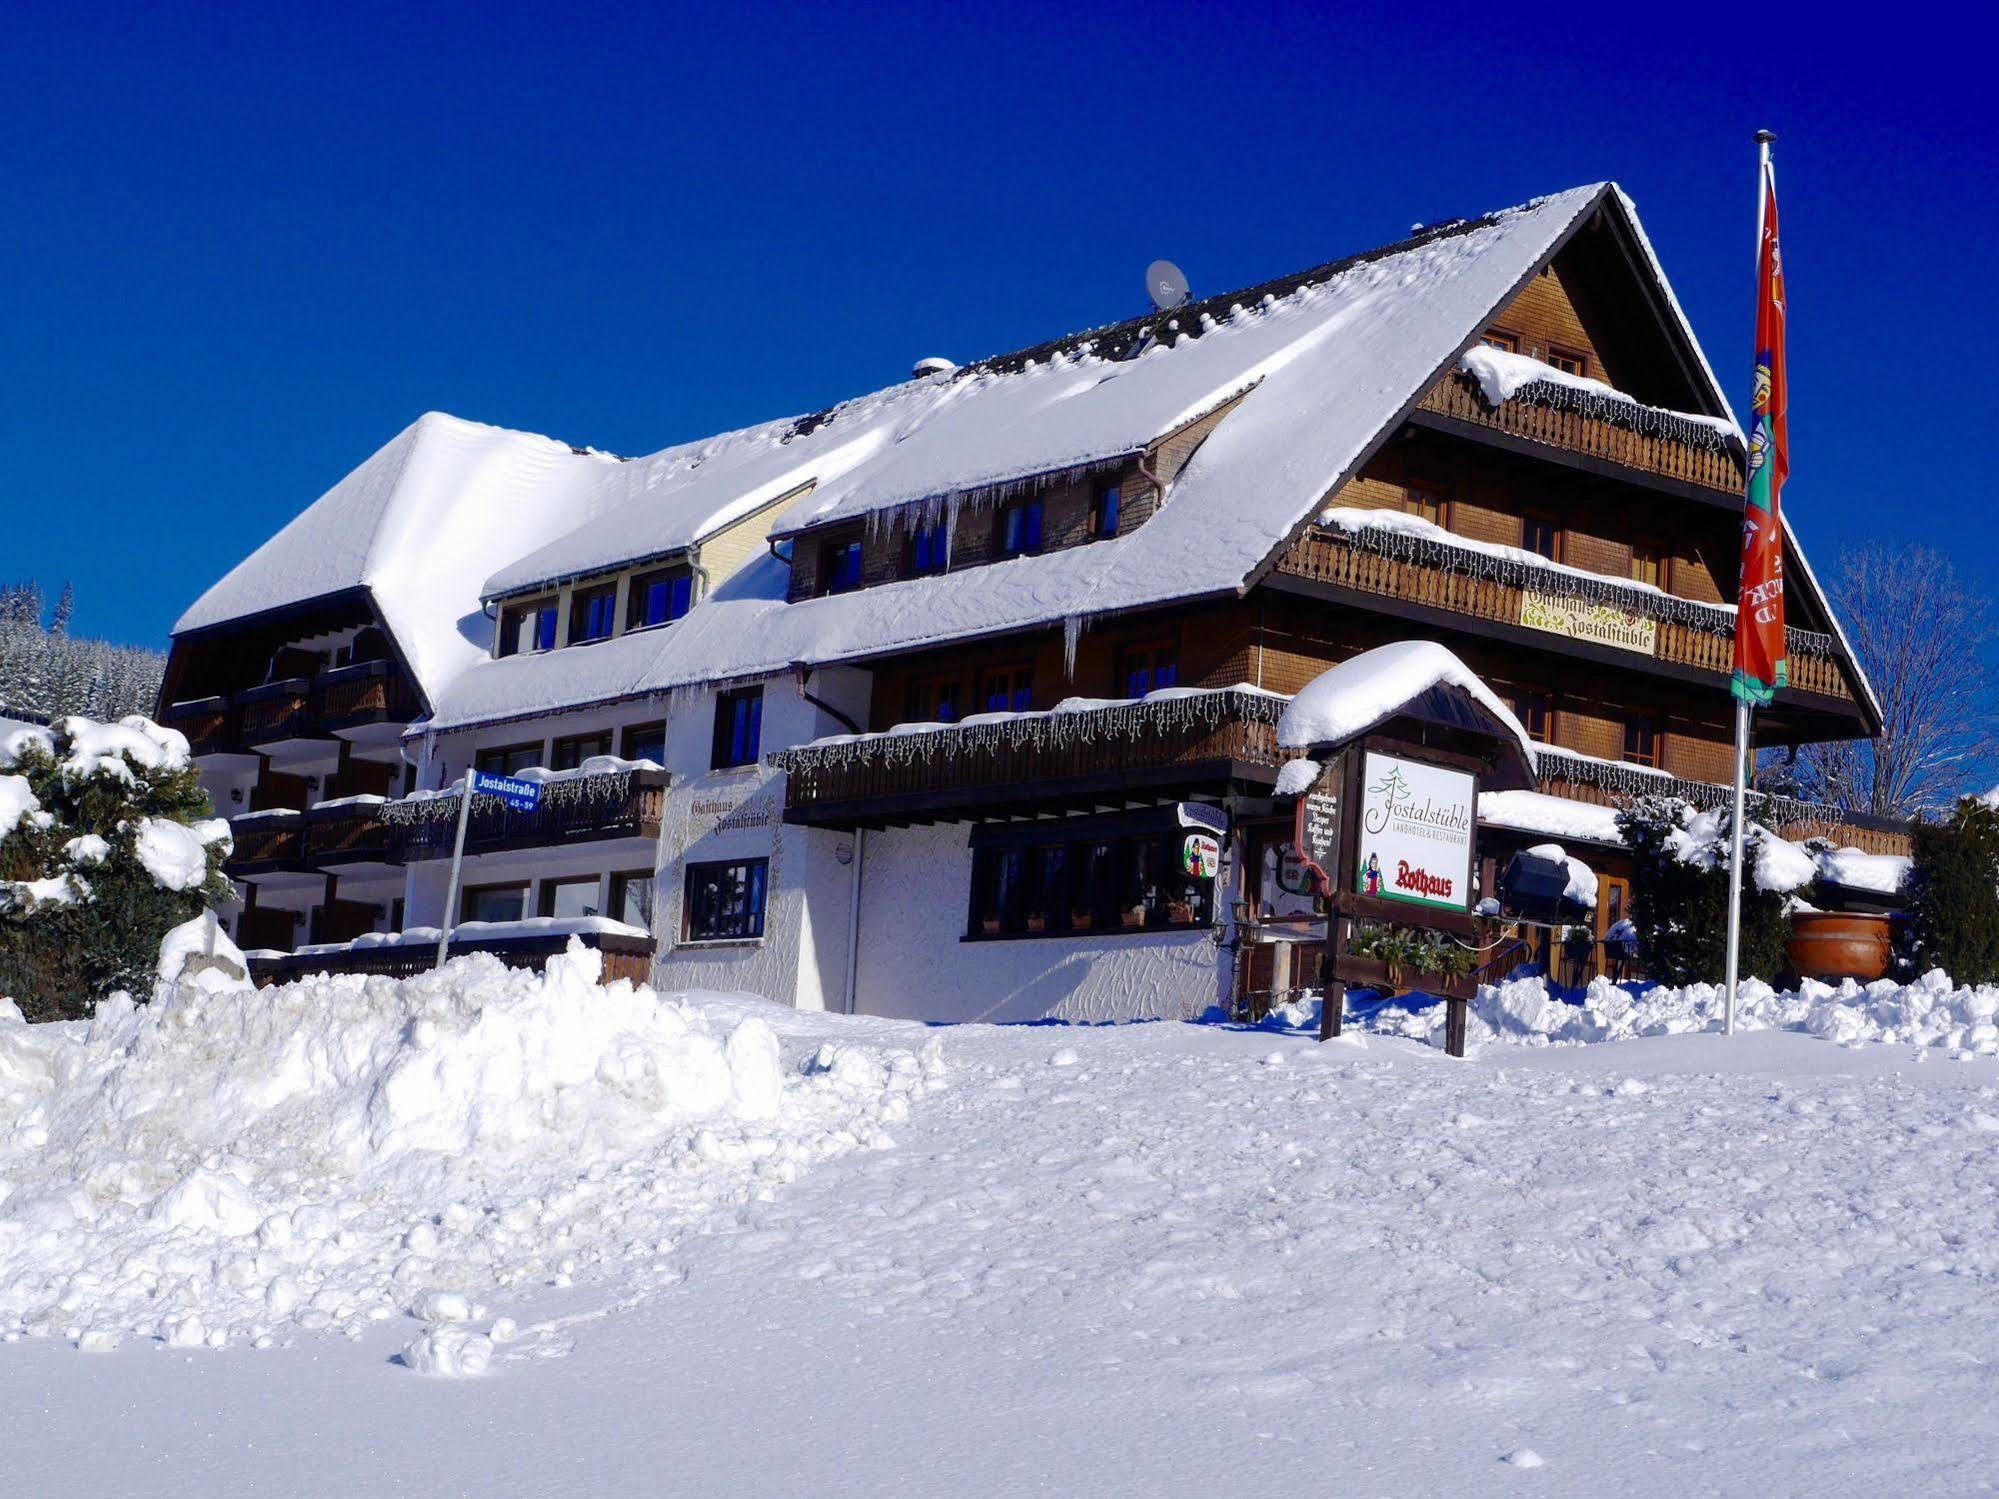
x=1759, y=609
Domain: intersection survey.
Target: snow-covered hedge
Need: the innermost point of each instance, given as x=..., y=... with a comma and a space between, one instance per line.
x=106, y=844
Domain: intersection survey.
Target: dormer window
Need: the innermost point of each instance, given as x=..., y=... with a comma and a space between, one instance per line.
x=1104, y=510
x=526, y=628
x=591, y=613
x=1020, y=529
x=659, y=598
x=840, y=565
x=928, y=550
x=1568, y=361
x=1506, y=343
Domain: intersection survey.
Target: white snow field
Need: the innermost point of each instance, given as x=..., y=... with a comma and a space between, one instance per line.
x=1137, y=1259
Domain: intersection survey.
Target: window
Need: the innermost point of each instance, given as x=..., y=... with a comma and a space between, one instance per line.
x=1648, y=563
x=659, y=598
x=527, y=627
x=1104, y=510
x=631, y=898
x=567, y=899
x=493, y=903
x=1492, y=338
x=573, y=751
x=1538, y=533
x=840, y=565
x=933, y=700
x=1147, y=668
x=929, y=550
x=591, y=613
x=1424, y=503
x=1568, y=361
x=645, y=741
x=1020, y=529
x=1123, y=882
x=1536, y=712
x=1641, y=739
x=1006, y=689
x=738, y=727
x=725, y=902
x=509, y=759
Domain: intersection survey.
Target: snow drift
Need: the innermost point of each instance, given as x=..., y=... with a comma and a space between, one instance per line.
x=226, y=1164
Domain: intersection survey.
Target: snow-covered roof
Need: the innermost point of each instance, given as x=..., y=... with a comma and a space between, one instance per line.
x=1354, y=696
x=420, y=525
x=1332, y=364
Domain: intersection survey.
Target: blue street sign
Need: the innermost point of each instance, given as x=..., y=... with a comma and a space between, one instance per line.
x=520, y=796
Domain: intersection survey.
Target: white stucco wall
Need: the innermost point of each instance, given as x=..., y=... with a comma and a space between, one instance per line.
x=914, y=964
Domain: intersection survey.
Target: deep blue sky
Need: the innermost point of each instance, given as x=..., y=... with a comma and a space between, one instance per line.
x=245, y=247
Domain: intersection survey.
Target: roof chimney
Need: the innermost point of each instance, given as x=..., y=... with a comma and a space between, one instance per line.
x=925, y=368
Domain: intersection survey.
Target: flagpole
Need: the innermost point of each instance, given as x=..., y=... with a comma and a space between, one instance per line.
x=1735, y=838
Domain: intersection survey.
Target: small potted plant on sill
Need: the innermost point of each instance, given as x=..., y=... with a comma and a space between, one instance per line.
x=1037, y=921
x=1180, y=912
x=990, y=925
x=1081, y=919
x=1132, y=915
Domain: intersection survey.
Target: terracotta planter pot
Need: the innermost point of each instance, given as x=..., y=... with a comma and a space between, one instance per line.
x=1831, y=945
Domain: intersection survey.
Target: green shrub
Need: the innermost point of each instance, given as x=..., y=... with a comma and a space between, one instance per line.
x=85, y=880
x=1954, y=895
x=1679, y=895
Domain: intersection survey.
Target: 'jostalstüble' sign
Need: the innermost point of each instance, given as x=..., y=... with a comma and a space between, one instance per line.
x=1604, y=624
x=1416, y=830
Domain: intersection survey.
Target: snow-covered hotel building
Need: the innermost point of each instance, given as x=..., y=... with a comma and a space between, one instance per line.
x=901, y=706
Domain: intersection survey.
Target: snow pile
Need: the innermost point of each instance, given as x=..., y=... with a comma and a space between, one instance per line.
x=18, y=804
x=228, y=1164
x=1357, y=694
x=174, y=854
x=1502, y=375
x=1296, y=777
x=1860, y=870
x=1775, y=863
x=1931, y=1012
x=1558, y=816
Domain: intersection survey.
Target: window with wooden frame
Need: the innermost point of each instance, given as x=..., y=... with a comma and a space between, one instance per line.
x=935, y=699
x=493, y=902
x=928, y=551
x=570, y=752
x=1541, y=533
x=592, y=613
x=840, y=565
x=1641, y=738
x=1536, y=712
x=739, y=716
x=1496, y=338
x=508, y=759
x=1568, y=361
x=527, y=628
x=1650, y=563
x=1019, y=532
x=659, y=598
x=645, y=741
x=725, y=901
x=1147, y=668
x=566, y=900
x=1424, y=502
x=1006, y=689
x=1104, y=508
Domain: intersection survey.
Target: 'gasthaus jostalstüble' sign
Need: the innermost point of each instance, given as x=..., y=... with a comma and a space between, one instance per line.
x=1416, y=832
x=1581, y=619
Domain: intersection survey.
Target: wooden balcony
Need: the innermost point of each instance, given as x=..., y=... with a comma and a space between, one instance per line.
x=321, y=707
x=267, y=845
x=618, y=804
x=209, y=724
x=1607, y=784
x=1129, y=754
x=320, y=837
x=374, y=692
x=1461, y=581
x=1610, y=440
x=625, y=957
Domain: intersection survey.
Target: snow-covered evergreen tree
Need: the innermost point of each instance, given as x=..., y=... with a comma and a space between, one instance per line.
x=46, y=673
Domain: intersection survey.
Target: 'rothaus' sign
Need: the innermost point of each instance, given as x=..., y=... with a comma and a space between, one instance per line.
x=1604, y=624
x=1416, y=829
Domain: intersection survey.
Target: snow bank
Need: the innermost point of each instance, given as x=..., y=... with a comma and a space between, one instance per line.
x=1931, y=1012
x=1356, y=694
x=231, y=1165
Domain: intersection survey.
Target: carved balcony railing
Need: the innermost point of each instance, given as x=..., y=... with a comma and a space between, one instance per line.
x=1091, y=755
x=324, y=836
x=1481, y=585
x=373, y=692
x=209, y=723
x=1611, y=431
x=615, y=804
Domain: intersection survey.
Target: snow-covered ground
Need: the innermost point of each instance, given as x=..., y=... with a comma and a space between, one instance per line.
x=1163, y=1258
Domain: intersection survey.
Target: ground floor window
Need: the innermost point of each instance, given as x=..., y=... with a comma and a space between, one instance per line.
x=725, y=902
x=1125, y=882
x=567, y=899
x=493, y=903
x=631, y=898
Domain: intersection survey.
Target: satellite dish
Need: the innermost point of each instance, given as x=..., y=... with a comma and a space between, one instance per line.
x=1166, y=284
